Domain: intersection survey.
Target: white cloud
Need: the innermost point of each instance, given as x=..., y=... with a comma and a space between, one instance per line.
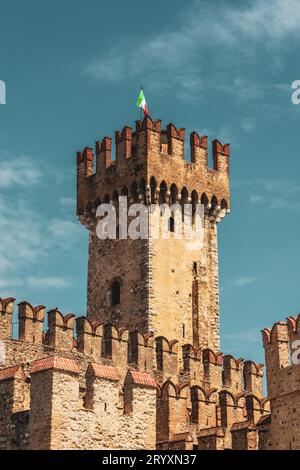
x=46, y=282
x=28, y=235
x=21, y=171
x=210, y=40
x=251, y=336
x=63, y=230
x=67, y=202
x=35, y=282
x=256, y=198
x=248, y=124
x=10, y=282
x=274, y=19
x=272, y=193
x=242, y=281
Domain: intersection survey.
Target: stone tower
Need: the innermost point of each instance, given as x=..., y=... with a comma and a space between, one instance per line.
x=155, y=285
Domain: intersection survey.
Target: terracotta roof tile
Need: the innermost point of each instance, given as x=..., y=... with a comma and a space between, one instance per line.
x=55, y=362
x=243, y=425
x=183, y=436
x=104, y=372
x=142, y=378
x=216, y=431
x=11, y=372
x=264, y=420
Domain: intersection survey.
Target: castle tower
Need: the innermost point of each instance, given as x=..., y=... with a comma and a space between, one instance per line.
x=157, y=285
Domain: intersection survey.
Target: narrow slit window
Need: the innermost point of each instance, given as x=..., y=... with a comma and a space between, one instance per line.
x=172, y=225
x=115, y=293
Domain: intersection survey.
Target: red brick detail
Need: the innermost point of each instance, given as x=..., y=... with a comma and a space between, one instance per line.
x=11, y=372
x=104, y=372
x=5, y=302
x=55, y=362
x=142, y=378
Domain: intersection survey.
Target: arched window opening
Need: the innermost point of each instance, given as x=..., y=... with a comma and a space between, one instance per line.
x=162, y=193
x=106, y=199
x=153, y=185
x=195, y=407
x=115, y=293
x=194, y=205
x=174, y=194
x=204, y=199
x=124, y=191
x=142, y=187
x=134, y=192
x=223, y=204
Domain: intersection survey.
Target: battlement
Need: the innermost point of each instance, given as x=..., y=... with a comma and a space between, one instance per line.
x=99, y=373
x=123, y=348
x=54, y=399
x=282, y=352
x=150, y=167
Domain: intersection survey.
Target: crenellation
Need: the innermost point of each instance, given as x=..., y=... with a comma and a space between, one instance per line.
x=89, y=337
x=60, y=332
x=31, y=320
x=253, y=378
x=212, y=363
x=115, y=345
x=6, y=312
x=233, y=373
x=198, y=146
x=123, y=141
x=167, y=356
x=283, y=383
x=106, y=373
x=221, y=156
x=192, y=363
x=149, y=152
x=141, y=350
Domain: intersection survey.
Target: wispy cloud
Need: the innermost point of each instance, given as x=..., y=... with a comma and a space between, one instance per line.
x=186, y=56
x=35, y=282
x=273, y=193
x=251, y=336
x=21, y=171
x=63, y=230
x=45, y=282
x=239, y=282
x=28, y=236
x=248, y=124
x=67, y=202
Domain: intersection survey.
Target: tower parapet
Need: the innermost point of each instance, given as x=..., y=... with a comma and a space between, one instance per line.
x=144, y=159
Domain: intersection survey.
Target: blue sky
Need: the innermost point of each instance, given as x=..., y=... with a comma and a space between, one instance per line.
x=225, y=68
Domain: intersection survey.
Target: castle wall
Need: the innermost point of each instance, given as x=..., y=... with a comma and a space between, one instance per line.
x=283, y=384
x=108, y=388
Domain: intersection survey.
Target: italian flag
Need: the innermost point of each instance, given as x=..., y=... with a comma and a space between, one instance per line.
x=141, y=102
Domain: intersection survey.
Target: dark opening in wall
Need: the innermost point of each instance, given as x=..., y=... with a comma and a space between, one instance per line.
x=172, y=224
x=115, y=293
